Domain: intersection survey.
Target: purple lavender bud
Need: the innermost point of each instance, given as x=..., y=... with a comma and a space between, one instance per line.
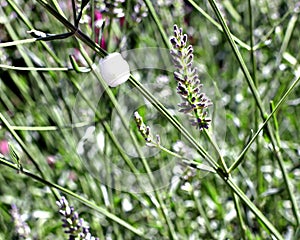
x=190, y=50
x=182, y=89
x=173, y=41
x=176, y=31
x=184, y=39
x=180, y=31
x=189, y=59
x=74, y=226
x=178, y=76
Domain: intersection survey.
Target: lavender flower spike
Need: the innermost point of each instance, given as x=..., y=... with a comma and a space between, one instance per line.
x=189, y=87
x=146, y=131
x=75, y=227
x=21, y=228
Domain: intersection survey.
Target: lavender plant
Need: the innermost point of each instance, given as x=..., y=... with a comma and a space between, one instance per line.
x=22, y=230
x=146, y=131
x=112, y=8
x=76, y=227
x=117, y=9
x=139, y=12
x=189, y=86
x=198, y=214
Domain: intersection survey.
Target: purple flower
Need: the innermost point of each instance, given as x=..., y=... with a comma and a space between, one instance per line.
x=76, y=227
x=22, y=230
x=189, y=87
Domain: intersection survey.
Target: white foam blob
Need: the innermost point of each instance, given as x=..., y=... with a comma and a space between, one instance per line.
x=114, y=69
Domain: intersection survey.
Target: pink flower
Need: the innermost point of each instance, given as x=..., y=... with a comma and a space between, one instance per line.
x=4, y=147
x=98, y=15
x=98, y=24
x=51, y=161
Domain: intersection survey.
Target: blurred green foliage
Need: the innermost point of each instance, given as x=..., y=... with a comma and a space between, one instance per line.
x=198, y=203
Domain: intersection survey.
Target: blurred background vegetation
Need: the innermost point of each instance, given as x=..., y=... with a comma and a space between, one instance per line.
x=199, y=204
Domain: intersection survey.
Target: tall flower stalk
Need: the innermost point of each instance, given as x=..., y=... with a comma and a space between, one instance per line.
x=194, y=102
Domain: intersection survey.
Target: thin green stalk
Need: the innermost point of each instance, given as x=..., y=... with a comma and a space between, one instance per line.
x=216, y=147
x=238, y=56
x=172, y=120
x=267, y=36
x=215, y=23
x=239, y=215
x=253, y=60
x=287, y=36
x=276, y=126
x=86, y=202
x=202, y=213
x=17, y=42
x=144, y=161
x=26, y=150
x=246, y=148
x=29, y=25
x=41, y=69
x=37, y=128
x=109, y=182
x=127, y=160
x=158, y=23
x=256, y=113
x=109, y=32
x=254, y=209
x=57, y=7
x=259, y=104
x=189, y=162
x=108, y=179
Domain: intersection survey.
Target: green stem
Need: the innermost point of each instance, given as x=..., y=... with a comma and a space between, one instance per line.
x=171, y=119
x=26, y=150
x=258, y=101
x=239, y=215
x=29, y=25
x=276, y=126
x=132, y=137
x=202, y=213
x=287, y=36
x=17, y=42
x=254, y=209
x=41, y=69
x=282, y=100
x=158, y=23
x=216, y=147
x=215, y=23
x=50, y=128
x=256, y=113
x=86, y=202
x=189, y=162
